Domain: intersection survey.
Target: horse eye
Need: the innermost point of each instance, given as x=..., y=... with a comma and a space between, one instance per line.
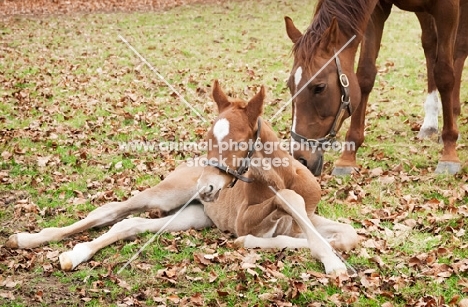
x=319, y=88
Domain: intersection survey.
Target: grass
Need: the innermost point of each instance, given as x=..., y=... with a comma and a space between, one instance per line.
x=71, y=91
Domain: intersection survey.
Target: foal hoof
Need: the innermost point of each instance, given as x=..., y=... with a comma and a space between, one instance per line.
x=239, y=242
x=66, y=263
x=339, y=272
x=427, y=133
x=344, y=170
x=12, y=242
x=447, y=167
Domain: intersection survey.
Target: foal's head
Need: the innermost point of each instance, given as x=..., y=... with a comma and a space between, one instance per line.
x=231, y=140
x=321, y=88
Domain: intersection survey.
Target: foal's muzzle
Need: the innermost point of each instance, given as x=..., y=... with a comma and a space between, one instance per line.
x=209, y=193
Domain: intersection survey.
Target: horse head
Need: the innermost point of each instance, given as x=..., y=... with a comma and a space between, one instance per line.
x=231, y=142
x=324, y=91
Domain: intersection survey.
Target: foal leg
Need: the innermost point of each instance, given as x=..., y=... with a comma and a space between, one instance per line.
x=341, y=236
x=280, y=242
x=171, y=193
x=294, y=204
x=191, y=217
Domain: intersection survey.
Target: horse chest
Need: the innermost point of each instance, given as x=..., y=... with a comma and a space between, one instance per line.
x=223, y=213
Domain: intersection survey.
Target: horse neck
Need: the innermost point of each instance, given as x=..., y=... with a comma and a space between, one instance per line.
x=271, y=152
x=352, y=15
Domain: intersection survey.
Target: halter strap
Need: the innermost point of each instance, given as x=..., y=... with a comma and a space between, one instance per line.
x=345, y=105
x=238, y=174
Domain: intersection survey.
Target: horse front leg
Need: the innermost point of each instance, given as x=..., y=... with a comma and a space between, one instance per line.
x=294, y=205
x=279, y=232
x=192, y=216
x=366, y=73
x=446, y=20
x=171, y=193
x=430, y=123
x=341, y=236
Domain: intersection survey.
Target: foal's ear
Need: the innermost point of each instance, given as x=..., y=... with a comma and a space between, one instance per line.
x=255, y=106
x=329, y=41
x=219, y=97
x=293, y=33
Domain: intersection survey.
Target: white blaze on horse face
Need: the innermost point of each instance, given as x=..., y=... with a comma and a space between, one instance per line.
x=297, y=76
x=431, y=108
x=297, y=79
x=221, y=129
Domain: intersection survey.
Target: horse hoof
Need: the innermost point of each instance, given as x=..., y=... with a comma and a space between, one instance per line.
x=427, y=133
x=12, y=242
x=239, y=242
x=339, y=272
x=66, y=262
x=447, y=167
x=343, y=170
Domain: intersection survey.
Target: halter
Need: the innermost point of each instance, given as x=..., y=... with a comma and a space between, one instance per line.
x=238, y=174
x=344, y=106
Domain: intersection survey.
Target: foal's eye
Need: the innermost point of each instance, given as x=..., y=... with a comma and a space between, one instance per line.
x=319, y=88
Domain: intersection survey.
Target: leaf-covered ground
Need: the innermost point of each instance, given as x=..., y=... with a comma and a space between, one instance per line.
x=72, y=93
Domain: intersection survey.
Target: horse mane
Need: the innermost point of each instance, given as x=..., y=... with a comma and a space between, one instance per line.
x=350, y=15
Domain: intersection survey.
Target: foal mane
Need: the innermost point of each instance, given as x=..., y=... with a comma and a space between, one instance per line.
x=350, y=15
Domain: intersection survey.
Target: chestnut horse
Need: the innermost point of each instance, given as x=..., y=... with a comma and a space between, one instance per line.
x=272, y=205
x=324, y=96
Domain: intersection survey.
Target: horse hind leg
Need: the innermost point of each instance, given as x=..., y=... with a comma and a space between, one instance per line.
x=167, y=195
x=460, y=55
x=191, y=217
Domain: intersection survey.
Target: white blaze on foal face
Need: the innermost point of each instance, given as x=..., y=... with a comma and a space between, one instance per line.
x=221, y=129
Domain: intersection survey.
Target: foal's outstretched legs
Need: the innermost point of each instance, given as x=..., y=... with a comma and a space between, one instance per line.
x=174, y=191
x=341, y=237
x=192, y=216
x=285, y=205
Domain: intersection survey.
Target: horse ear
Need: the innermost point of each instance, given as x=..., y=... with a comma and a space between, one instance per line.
x=219, y=97
x=255, y=106
x=330, y=38
x=293, y=33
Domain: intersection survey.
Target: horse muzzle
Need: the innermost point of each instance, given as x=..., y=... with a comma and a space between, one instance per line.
x=314, y=163
x=209, y=194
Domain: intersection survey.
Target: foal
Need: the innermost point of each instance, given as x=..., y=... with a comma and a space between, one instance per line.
x=271, y=208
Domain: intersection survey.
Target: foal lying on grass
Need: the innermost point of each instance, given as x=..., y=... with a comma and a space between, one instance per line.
x=272, y=204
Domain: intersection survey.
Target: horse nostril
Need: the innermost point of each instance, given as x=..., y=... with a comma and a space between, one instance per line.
x=210, y=188
x=303, y=161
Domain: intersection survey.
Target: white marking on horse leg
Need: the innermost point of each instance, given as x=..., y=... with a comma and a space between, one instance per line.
x=431, y=109
x=221, y=129
x=280, y=242
x=71, y=259
x=341, y=236
x=191, y=217
x=294, y=204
